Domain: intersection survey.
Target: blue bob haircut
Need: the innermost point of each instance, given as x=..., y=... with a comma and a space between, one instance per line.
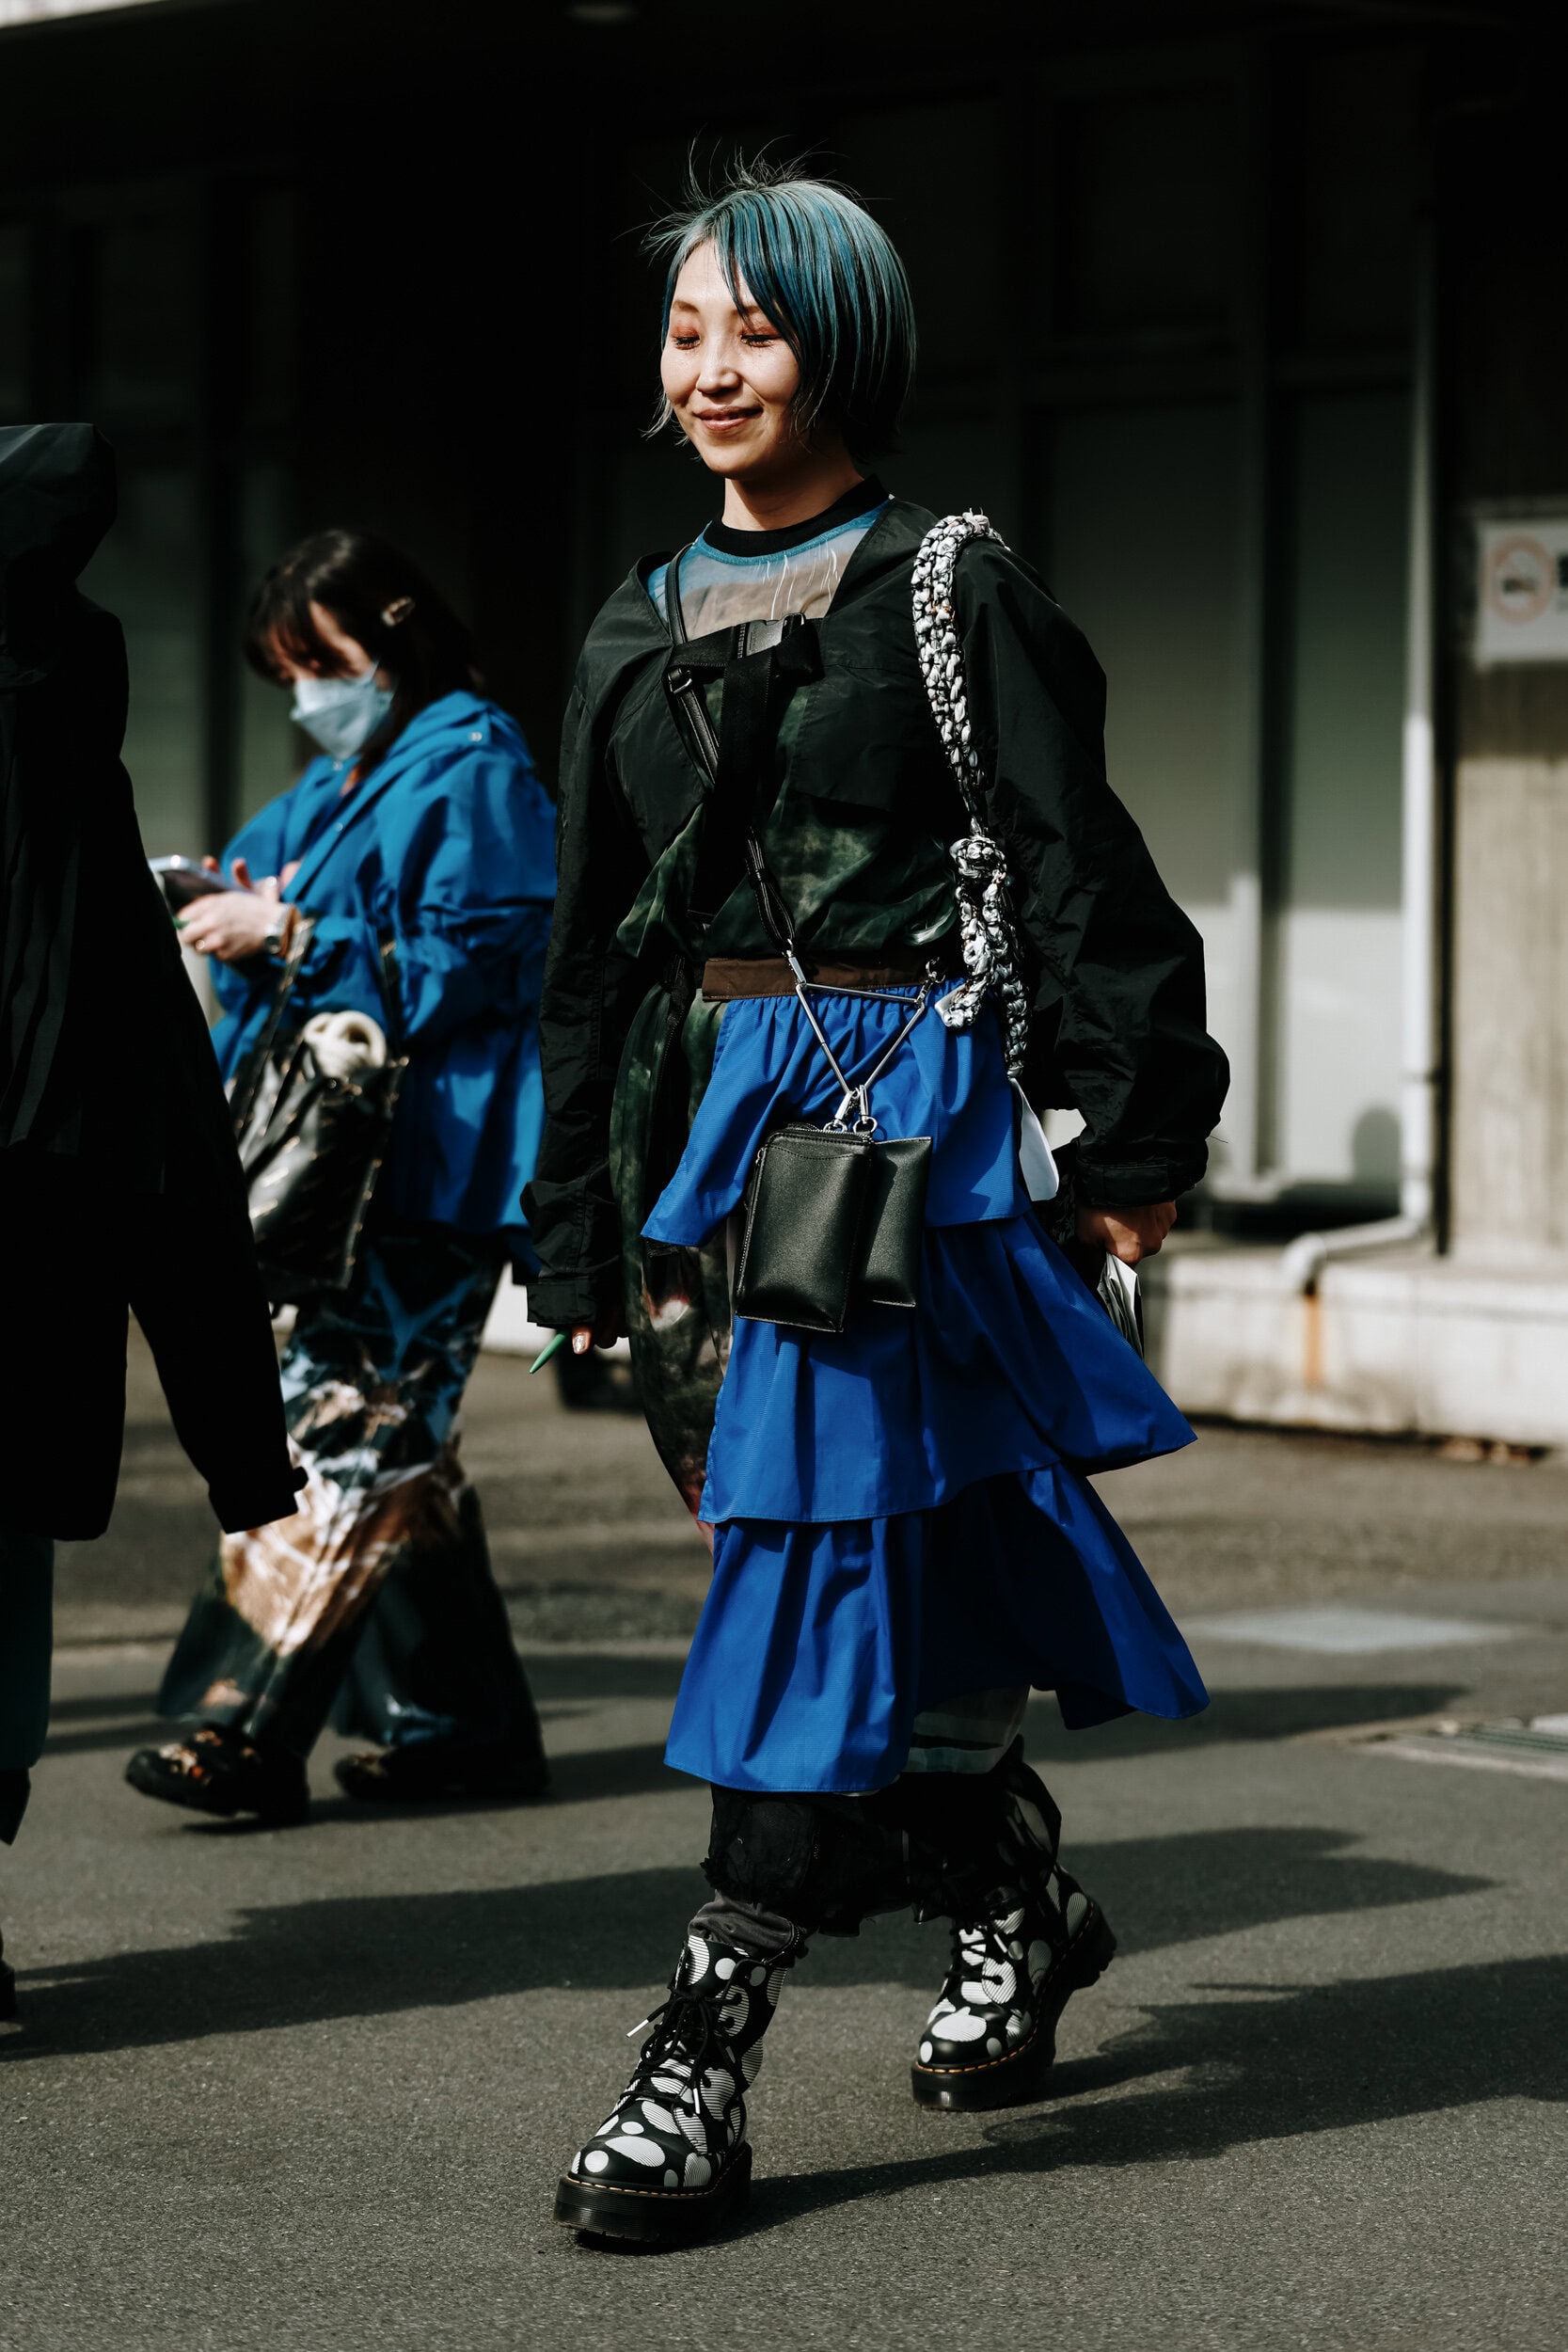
x=816, y=264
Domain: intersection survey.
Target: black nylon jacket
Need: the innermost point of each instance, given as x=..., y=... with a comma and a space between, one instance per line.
x=858, y=835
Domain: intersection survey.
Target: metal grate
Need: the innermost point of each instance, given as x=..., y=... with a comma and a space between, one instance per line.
x=1538, y=1748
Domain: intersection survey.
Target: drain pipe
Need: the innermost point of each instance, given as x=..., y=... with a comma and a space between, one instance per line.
x=1306, y=1256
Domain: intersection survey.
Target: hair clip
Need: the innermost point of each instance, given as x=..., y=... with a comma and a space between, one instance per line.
x=398, y=610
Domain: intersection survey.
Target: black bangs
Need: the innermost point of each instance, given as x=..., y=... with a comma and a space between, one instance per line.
x=280, y=623
x=378, y=596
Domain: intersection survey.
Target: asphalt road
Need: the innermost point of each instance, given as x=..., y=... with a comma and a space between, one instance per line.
x=310, y=2089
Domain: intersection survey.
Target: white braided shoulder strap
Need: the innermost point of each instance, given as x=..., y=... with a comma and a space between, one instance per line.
x=985, y=919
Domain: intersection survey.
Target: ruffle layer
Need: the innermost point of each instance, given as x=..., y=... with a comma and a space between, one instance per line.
x=819, y=1646
x=902, y=1511
x=1008, y=1363
x=950, y=1084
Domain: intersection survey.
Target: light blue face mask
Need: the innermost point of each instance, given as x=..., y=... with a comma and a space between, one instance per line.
x=342, y=713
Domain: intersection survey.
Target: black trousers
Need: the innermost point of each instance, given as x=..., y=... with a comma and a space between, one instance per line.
x=947, y=1844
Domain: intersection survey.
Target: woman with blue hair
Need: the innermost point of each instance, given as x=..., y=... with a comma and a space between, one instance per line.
x=803, y=758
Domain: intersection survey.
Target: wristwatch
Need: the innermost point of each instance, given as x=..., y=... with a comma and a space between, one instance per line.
x=277, y=941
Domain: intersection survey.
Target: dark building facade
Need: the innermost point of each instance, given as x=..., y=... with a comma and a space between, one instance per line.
x=1236, y=320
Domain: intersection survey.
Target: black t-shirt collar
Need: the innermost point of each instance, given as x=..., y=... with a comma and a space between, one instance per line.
x=860, y=500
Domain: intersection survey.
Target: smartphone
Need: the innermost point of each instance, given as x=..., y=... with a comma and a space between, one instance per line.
x=184, y=878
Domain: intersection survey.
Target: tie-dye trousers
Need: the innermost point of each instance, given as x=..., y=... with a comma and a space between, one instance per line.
x=374, y=1603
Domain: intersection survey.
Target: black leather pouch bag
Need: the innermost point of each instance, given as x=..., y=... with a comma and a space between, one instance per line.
x=802, y=1222
x=890, y=1256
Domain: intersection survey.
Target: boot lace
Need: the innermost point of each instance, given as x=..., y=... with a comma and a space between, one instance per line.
x=976, y=1941
x=686, y=2036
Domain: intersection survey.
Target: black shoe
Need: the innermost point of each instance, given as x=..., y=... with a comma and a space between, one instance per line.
x=217, y=1770
x=672, y=2162
x=991, y=2039
x=432, y=1768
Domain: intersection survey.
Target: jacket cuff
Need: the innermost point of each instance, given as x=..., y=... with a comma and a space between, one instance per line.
x=1138, y=1184
x=239, y=1508
x=558, y=1301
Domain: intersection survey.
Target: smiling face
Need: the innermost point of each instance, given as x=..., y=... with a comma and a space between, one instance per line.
x=730, y=378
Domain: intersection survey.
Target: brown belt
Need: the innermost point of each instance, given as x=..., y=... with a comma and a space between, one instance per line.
x=725, y=977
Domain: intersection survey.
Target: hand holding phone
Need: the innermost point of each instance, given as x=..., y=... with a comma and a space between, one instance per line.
x=186, y=878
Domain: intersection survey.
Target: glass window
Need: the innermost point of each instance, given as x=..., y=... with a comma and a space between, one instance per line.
x=1148, y=191
x=900, y=163
x=272, y=221
x=1338, y=1089
x=149, y=571
x=1359, y=171
x=15, y=340
x=137, y=297
x=1144, y=540
x=272, y=754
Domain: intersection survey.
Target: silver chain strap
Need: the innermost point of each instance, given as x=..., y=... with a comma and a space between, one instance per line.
x=990, y=946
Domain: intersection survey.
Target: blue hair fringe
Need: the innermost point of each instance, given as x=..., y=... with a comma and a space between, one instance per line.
x=828, y=279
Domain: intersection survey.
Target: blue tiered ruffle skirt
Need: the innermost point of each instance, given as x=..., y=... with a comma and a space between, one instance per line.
x=902, y=1511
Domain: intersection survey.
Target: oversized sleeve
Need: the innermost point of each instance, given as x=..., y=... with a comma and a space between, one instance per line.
x=592, y=988
x=197, y=1229
x=470, y=909
x=464, y=891
x=1116, y=967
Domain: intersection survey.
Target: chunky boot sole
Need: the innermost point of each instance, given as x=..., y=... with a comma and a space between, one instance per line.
x=655, y=2217
x=1005, y=2082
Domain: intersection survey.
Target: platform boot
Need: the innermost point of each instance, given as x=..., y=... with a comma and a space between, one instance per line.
x=1026, y=1938
x=672, y=2162
x=991, y=2039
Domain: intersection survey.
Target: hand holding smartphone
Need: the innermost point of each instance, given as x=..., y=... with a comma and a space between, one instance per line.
x=184, y=878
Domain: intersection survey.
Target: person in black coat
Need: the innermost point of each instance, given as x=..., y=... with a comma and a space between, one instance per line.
x=120, y=1189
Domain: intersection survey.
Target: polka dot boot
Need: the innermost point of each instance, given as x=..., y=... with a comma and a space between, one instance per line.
x=672, y=2161
x=992, y=2037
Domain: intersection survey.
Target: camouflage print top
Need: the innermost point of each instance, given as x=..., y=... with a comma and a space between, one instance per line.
x=860, y=809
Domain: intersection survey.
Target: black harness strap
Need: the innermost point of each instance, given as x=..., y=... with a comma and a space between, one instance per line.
x=739, y=761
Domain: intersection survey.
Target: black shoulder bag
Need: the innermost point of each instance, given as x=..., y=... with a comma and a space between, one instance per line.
x=312, y=1144
x=832, y=1219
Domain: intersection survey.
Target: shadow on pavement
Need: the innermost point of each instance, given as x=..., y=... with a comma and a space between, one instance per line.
x=1264, y=1714
x=126, y=1720
x=79, y=1725
x=1162, y=1891
x=589, y=1777
x=370, y=1955
x=1269, y=2065
x=583, y=1778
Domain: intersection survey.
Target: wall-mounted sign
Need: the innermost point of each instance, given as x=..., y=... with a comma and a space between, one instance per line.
x=1522, y=590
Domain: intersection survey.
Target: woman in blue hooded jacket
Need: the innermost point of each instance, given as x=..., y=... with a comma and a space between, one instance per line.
x=422, y=823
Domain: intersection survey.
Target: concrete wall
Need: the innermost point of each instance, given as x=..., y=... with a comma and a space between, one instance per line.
x=1506, y=453
x=1405, y=1344
x=1509, y=1134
